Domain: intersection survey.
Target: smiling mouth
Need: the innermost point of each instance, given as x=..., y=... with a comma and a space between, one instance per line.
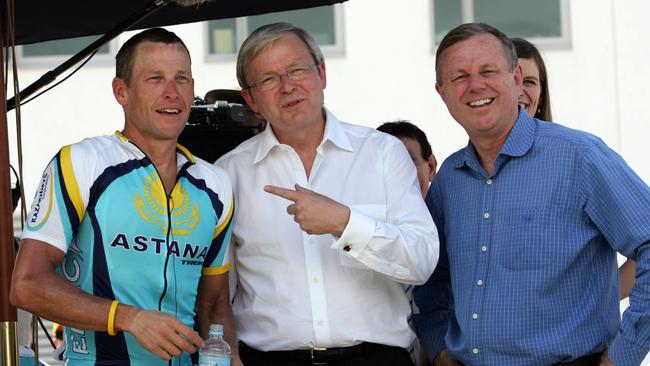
x=293, y=103
x=480, y=102
x=523, y=105
x=169, y=111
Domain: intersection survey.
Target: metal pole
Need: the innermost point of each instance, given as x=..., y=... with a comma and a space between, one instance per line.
x=8, y=315
x=9, y=337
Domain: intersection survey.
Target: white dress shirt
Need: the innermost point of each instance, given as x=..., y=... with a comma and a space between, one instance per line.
x=298, y=291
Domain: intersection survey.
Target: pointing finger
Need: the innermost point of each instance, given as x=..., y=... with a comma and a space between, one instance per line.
x=289, y=194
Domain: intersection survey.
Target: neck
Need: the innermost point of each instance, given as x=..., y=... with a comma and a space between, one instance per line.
x=488, y=146
x=304, y=141
x=162, y=154
x=487, y=153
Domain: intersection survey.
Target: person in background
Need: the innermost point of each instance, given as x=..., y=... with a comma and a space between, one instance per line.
x=127, y=240
x=332, y=221
x=535, y=99
x=419, y=148
x=532, y=214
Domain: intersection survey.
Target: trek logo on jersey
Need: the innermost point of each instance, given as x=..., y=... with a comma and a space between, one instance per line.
x=192, y=254
x=42, y=204
x=152, y=207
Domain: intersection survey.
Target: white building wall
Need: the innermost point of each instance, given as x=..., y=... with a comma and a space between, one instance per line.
x=386, y=73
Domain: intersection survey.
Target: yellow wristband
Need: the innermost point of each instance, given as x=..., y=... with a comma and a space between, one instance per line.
x=111, y=318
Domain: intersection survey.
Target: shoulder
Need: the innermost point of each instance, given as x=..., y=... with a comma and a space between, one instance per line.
x=550, y=133
x=215, y=177
x=93, y=146
x=370, y=137
x=244, y=153
x=454, y=160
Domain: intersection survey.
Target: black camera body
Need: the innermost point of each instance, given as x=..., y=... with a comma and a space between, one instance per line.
x=222, y=113
x=214, y=129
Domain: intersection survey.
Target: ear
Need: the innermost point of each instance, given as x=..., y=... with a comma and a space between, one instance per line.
x=440, y=90
x=119, y=91
x=322, y=74
x=519, y=79
x=433, y=165
x=248, y=97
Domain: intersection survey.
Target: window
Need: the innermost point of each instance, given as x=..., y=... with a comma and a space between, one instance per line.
x=544, y=22
x=60, y=50
x=323, y=23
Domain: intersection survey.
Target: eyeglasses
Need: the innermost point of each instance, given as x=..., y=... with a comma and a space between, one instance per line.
x=296, y=73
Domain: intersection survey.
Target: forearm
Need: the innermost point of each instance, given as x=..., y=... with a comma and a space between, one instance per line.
x=223, y=315
x=38, y=289
x=406, y=251
x=213, y=307
x=626, y=273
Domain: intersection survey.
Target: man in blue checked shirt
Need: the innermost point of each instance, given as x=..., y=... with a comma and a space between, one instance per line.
x=532, y=215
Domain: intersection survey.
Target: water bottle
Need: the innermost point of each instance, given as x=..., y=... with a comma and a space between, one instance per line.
x=215, y=351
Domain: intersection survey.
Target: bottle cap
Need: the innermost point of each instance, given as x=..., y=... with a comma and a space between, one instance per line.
x=216, y=329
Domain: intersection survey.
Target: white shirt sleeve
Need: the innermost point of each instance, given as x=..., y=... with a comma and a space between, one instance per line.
x=398, y=239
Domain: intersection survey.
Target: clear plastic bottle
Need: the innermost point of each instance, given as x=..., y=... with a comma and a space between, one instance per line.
x=215, y=351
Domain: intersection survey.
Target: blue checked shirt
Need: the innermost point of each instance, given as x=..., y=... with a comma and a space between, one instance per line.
x=532, y=252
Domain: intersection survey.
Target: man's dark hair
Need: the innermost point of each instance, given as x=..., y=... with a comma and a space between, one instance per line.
x=407, y=129
x=468, y=30
x=126, y=55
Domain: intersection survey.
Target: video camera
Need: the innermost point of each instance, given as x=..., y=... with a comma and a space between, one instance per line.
x=222, y=114
x=215, y=128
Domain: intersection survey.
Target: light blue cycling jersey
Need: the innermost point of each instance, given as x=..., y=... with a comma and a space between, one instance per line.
x=102, y=202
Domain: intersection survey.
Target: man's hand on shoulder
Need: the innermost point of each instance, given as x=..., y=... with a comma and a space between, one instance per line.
x=315, y=213
x=160, y=333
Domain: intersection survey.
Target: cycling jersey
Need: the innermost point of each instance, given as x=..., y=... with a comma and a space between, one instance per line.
x=102, y=202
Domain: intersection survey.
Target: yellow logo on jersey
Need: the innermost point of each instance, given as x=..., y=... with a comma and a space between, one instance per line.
x=153, y=207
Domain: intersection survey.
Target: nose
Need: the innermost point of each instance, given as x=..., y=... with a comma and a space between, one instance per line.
x=286, y=85
x=171, y=89
x=476, y=82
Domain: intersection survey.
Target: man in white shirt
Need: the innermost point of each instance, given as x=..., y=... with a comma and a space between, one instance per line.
x=330, y=224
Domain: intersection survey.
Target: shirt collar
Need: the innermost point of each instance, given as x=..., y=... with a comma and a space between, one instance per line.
x=519, y=141
x=182, y=153
x=334, y=132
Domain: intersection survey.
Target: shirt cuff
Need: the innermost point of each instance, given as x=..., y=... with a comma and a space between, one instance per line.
x=357, y=233
x=623, y=352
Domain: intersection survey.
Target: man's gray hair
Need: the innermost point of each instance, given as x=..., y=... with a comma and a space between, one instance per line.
x=263, y=37
x=468, y=30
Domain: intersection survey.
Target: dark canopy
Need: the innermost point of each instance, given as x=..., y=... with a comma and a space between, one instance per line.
x=44, y=20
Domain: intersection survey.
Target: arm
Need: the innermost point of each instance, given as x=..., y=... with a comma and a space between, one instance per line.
x=618, y=204
x=213, y=307
x=396, y=238
x=36, y=286
x=626, y=274
x=434, y=299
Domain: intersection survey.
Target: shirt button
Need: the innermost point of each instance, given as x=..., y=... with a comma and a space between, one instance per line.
x=347, y=248
x=486, y=215
x=489, y=181
x=320, y=323
x=475, y=351
x=479, y=282
x=484, y=248
x=474, y=316
x=315, y=280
